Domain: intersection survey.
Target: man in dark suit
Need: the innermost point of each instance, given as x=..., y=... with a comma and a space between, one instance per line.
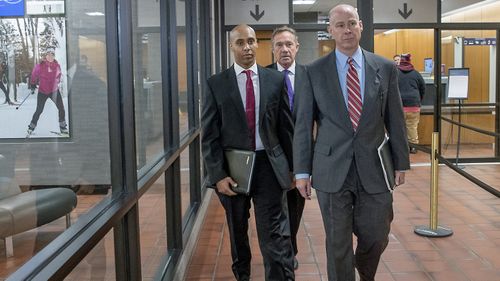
x=246, y=107
x=354, y=100
x=285, y=47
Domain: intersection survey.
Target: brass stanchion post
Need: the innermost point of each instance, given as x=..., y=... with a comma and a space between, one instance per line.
x=434, y=230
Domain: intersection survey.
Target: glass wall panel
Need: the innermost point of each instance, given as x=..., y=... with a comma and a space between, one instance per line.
x=147, y=82
x=153, y=229
x=313, y=45
x=313, y=12
x=182, y=67
x=53, y=79
x=185, y=183
x=474, y=50
x=419, y=43
x=479, y=11
x=99, y=264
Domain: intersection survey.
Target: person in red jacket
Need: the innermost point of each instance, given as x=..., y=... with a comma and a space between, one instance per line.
x=47, y=74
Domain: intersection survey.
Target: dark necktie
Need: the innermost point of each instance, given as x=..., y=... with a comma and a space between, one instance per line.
x=289, y=88
x=250, y=107
x=354, y=103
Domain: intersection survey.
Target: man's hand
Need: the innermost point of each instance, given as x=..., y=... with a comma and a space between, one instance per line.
x=304, y=186
x=224, y=186
x=399, y=178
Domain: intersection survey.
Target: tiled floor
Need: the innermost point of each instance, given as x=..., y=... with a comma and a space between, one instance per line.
x=471, y=253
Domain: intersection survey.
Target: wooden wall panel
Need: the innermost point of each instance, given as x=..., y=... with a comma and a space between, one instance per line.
x=385, y=45
x=181, y=61
x=265, y=50
x=418, y=42
x=325, y=47
x=447, y=56
x=449, y=135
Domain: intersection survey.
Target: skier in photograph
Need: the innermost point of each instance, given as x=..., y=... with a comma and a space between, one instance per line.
x=3, y=78
x=47, y=74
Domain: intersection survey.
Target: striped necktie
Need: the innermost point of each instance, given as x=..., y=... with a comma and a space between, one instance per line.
x=354, y=103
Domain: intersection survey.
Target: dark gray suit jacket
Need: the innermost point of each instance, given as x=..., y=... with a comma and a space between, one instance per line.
x=330, y=157
x=224, y=123
x=301, y=84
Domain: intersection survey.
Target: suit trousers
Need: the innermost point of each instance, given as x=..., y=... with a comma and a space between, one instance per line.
x=295, y=209
x=368, y=216
x=269, y=201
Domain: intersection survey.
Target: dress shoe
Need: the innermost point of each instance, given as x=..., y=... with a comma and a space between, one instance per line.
x=413, y=150
x=295, y=263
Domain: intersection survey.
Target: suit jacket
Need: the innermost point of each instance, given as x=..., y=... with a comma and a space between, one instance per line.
x=301, y=84
x=224, y=123
x=337, y=145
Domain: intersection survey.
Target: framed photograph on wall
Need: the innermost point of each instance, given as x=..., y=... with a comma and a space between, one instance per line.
x=34, y=101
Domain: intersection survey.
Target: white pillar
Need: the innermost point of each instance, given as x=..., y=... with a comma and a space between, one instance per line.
x=458, y=53
x=493, y=72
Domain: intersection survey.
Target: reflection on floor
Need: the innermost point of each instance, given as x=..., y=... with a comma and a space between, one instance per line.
x=471, y=253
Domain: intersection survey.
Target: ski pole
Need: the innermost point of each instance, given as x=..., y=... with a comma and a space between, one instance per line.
x=25, y=98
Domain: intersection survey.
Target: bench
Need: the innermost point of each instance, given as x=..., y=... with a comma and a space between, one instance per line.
x=22, y=211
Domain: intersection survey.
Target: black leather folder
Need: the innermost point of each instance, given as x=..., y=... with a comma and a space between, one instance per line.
x=385, y=156
x=240, y=165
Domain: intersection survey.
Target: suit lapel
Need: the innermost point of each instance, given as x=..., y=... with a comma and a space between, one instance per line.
x=263, y=95
x=300, y=75
x=372, y=83
x=234, y=94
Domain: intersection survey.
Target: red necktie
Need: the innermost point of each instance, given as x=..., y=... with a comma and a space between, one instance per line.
x=354, y=103
x=250, y=107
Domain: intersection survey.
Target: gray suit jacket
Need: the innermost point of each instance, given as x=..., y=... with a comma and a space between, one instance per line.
x=224, y=123
x=330, y=156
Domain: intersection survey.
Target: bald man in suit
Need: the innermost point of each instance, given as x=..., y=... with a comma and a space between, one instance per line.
x=354, y=99
x=245, y=107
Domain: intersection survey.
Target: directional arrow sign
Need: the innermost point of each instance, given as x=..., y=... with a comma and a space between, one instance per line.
x=408, y=11
x=405, y=13
x=256, y=15
x=256, y=12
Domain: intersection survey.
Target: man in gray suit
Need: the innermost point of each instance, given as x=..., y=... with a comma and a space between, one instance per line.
x=354, y=99
x=285, y=47
x=245, y=107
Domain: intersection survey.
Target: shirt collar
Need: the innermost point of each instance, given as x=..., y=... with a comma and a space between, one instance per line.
x=238, y=69
x=342, y=58
x=291, y=69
